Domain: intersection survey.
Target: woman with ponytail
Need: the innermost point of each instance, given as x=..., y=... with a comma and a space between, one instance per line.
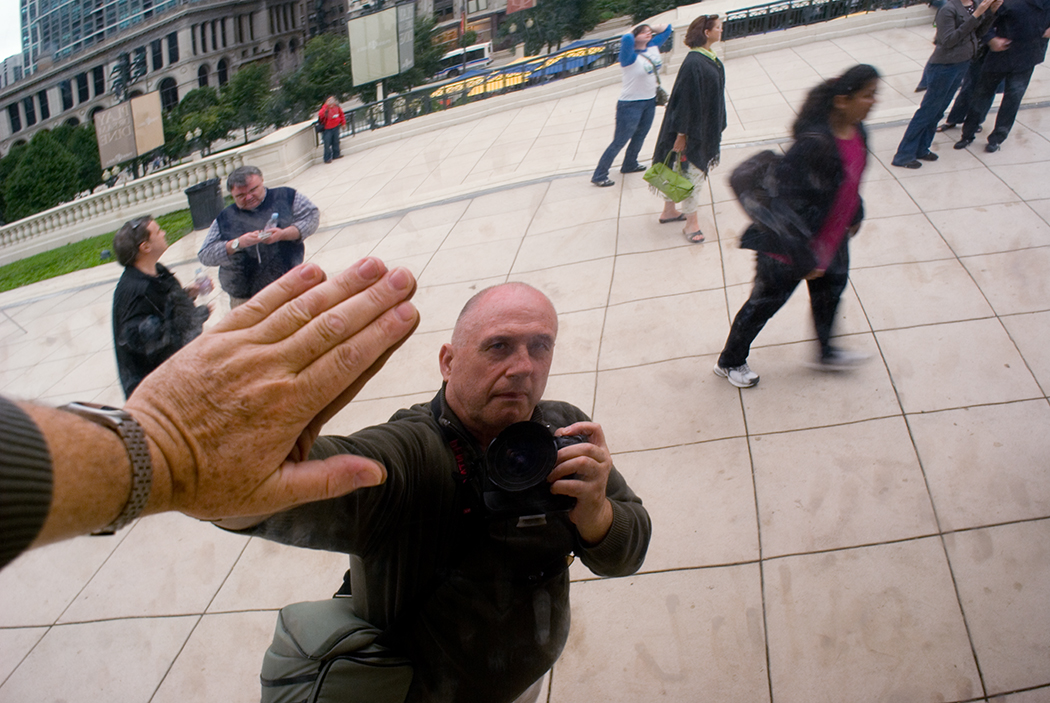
x=818, y=182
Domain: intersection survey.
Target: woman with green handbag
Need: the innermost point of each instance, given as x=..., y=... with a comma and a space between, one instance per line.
x=694, y=120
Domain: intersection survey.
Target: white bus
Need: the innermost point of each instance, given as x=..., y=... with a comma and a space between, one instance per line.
x=453, y=63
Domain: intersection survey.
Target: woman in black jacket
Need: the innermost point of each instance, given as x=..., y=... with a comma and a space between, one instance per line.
x=817, y=185
x=695, y=119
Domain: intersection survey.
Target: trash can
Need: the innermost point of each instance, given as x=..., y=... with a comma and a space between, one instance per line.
x=205, y=203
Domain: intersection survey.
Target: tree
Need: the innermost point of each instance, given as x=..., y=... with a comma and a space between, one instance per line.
x=552, y=21
x=202, y=109
x=642, y=10
x=82, y=144
x=7, y=167
x=245, y=96
x=41, y=178
x=427, y=63
x=325, y=71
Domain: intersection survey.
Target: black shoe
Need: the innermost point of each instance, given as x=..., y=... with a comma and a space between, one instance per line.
x=946, y=126
x=928, y=156
x=991, y=147
x=637, y=168
x=963, y=143
x=604, y=183
x=914, y=163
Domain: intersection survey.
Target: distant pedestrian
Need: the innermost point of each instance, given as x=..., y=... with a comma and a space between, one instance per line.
x=817, y=186
x=960, y=24
x=153, y=316
x=640, y=59
x=332, y=119
x=1021, y=30
x=695, y=119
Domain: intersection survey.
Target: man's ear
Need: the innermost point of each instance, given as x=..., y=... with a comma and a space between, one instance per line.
x=445, y=361
x=144, y=248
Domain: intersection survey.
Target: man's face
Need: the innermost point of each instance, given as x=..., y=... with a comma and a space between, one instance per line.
x=156, y=241
x=497, y=364
x=249, y=195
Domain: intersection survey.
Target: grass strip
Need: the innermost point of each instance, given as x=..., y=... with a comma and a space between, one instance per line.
x=84, y=254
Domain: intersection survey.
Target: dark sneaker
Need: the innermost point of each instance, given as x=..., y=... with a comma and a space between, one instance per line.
x=637, y=168
x=604, y=183
x=963, y=143
x=928, y=156
x=839, y=360
x=740, y=376
x=992, y=147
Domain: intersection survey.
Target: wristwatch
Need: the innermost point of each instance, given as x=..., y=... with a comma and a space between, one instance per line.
x=235, y=244
x=134, y=440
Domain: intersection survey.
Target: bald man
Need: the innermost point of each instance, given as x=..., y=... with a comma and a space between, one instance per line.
x=469, y=583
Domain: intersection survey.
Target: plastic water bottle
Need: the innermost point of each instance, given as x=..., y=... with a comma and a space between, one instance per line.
x=204, y=284
x=272, y=224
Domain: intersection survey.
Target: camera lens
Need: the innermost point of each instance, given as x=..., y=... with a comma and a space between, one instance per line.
x=521, y=456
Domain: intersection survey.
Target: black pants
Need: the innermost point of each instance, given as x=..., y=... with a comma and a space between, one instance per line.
x=984, y=94
x=774, y=284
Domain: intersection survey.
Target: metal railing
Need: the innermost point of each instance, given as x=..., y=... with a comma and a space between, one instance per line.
x=576, y=58
x=775, y=16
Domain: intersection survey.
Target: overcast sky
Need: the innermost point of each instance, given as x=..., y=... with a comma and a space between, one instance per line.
x=10, y=29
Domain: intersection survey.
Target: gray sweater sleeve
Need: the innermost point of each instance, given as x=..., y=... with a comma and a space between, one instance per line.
x=25, y=481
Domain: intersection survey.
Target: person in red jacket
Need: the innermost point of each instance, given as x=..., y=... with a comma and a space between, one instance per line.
x=332, y=118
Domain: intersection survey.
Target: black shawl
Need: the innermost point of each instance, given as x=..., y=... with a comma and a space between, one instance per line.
x=697, y=109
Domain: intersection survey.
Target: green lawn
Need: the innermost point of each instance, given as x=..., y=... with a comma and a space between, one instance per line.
x=81, y=255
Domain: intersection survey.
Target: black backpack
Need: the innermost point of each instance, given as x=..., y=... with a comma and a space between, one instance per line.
x=776, y=228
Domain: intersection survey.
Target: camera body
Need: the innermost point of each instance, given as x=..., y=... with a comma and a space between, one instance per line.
x=516, y=467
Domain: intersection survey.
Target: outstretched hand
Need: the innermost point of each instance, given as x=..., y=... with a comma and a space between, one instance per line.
x=232, y=416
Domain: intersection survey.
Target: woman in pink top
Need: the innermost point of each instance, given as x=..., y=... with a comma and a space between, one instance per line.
x=817, y=186
x=332, y=119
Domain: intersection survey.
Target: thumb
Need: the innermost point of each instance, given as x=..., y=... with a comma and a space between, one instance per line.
x=311, y=481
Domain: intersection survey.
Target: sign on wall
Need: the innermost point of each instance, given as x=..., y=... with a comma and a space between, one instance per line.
x=130, y=129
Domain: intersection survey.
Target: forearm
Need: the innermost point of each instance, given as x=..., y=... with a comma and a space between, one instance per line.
x=91, y=474
x=627, y=52
x=214, y=251
x=305, y=216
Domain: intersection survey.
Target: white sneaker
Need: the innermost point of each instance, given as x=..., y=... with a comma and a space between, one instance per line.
x=740, y=376
x=839, y=360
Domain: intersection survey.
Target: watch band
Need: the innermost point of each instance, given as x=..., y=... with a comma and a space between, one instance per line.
x=134, y=440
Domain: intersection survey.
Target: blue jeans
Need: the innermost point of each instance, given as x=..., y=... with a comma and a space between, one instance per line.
x=633, y=120
x=942, y=80
x=984, y=93
x=330, y=137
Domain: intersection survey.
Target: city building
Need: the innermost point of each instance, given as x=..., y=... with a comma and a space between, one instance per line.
x=180, y=45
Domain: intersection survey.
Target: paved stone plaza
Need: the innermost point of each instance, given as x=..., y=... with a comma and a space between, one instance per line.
x=872, y=537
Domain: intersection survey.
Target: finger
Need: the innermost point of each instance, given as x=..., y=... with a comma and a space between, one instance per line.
x=350, y=317
x=339, y=374
x=351, y=391
x=309, y=481
x=292, y=284
x=345, y=287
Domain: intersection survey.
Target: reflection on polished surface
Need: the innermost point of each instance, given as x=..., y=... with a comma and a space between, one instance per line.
x=870, y=537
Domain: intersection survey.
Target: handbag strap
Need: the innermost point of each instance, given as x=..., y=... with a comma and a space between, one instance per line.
x=656, y=70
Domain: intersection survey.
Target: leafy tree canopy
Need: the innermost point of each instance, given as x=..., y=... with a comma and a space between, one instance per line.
x=41, y=178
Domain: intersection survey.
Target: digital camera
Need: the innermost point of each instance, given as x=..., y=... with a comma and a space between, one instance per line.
x=517, y=465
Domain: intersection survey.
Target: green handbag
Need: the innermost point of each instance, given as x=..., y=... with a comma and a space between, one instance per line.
x=667, y=180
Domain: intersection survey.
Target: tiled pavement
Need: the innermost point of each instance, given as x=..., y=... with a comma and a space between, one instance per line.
x=877, y=536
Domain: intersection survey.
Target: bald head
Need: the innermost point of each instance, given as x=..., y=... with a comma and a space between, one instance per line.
x=496, y=365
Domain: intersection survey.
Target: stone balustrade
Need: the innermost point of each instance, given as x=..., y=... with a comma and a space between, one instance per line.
x=280, y=155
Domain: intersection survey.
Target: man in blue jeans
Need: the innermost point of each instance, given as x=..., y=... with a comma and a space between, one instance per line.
x=960, y=23
x=640, y=59
x=1019, y=45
